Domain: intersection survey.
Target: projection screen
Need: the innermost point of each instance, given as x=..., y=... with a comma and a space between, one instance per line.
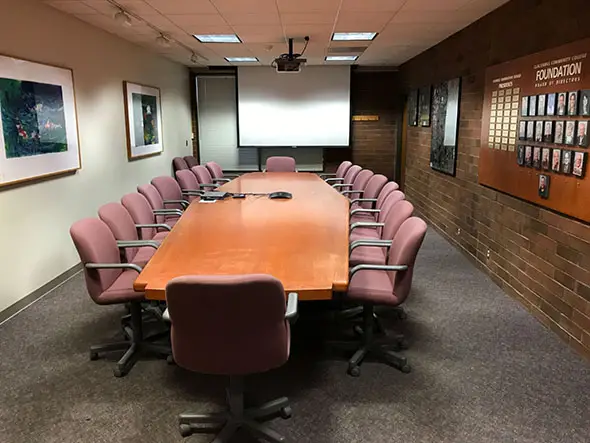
x=310, y=108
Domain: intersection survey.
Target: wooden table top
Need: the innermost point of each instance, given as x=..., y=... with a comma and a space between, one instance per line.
x=302, y=241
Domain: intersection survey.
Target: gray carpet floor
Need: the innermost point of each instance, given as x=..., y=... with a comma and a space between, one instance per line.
x=483, y=371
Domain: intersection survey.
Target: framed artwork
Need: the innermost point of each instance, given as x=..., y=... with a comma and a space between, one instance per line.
x=585, y=102
x=537, y=157
x=541, y=104
x=520, y=155
x=546, y=159
x=582, y=133
x=424, y=105
x=539, y=131
x=579, y=165
x=559, y=130
x=544, y=181
x=561, y=99
x=548, y=131
x=143, y=112
x=528, y=156
x=530, y=130
x=532, y=105
x=570, y=132
x=556, y=160
x=445, y=126
x=566, y=162
x=572, y=103
x=413, y=108
x=522, y=130
x=38, y=122
x=524, y=106
x=551, y=103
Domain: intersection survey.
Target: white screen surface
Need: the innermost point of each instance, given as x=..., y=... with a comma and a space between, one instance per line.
x=309, y=108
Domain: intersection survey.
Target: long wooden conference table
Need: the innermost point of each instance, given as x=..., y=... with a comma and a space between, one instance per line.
x=302, y=241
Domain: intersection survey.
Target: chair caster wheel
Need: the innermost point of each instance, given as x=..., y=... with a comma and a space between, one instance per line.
x=354, y=371
x=406, y=369
x=185, y=430
x=118, y=372
x=170, y=360
x=93, y=355
x=286, y=412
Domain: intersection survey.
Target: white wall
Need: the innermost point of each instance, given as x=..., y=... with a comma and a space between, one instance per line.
x=35, y=246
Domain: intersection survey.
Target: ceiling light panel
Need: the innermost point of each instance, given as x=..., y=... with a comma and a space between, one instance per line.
x=341, y=58
x=354, y=36
x=241, y=59
x=218, y=38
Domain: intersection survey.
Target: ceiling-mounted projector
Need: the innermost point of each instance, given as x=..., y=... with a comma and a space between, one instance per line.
x=290, y=62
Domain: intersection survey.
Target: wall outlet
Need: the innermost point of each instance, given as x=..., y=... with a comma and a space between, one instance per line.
x=458, y=231
x=488, y=254
x=187, y=142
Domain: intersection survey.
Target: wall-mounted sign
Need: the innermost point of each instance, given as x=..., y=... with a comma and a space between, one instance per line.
x=535, y=128
x=365, y=118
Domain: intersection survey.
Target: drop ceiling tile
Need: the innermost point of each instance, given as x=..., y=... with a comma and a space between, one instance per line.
x=259, y=34
x=362, y=21
x=372, y=5
x=434, y=5
x=268, y=18
x=183, y=6
x=246, y=6
x=101, y=6
x=286, y=6
x=162, y=22
x=317, y=33
x=195, y=20
x=308, y=18
x=73, y=7
x=229, y=49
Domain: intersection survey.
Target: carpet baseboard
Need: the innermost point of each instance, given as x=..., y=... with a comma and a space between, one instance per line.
x=27, y=300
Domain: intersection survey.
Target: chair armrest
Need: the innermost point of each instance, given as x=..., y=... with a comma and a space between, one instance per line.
x=292, y=303
x=342, y=185
x=183, y=203
x=192, y=192
x=354, y=191
x=208, y=185
x=366, y=267
x=166, y=316
x=221, y=180
x=366, y=225
x=335, y=180
x=154, y=225
x=361, y=200
x=137, y=244
x=327, y=175
x=363, y=210
x=114, y=266
x=378, y=243
x=168, y=212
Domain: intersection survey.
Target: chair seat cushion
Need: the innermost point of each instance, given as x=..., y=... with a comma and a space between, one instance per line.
x=363, y=217
x=160, y=236
x=121, y=291
x=144, y=255
x=372, y=287
x=373, y=255
x=364, y=233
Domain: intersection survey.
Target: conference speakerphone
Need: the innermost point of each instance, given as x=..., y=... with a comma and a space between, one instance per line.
x=219, y=195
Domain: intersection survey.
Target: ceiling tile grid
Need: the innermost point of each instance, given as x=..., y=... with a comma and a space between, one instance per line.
x=405, y=27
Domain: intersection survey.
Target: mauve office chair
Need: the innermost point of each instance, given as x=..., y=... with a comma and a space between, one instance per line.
x=204, y=178
x=170, y=191
x=110, y=282
x=163, y=215
x=338, y=176
x=179, y=163
x=189, y=186
x=281, y=164
x=373, y=212
x=387, y=285
x=143, y=217
x=369, y=196
x=234, y=326
x=357, y=187
x=349, y=177
x=373, y=229
x=190, y=161
x=218, y=174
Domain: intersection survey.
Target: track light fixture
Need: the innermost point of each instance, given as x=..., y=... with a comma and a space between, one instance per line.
x=163, y=41
x=123, y=18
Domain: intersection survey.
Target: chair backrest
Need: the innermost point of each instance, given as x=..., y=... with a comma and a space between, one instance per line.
x=169, y=189
x=361, y=180
x=95, y=243
x=228, y=324
x=399, y=213
x=141, y=212
x=187, y=180
x=351, y=174
x=403, y=251
x=179, y=164
x=215, y=170
x=190, y=161
x=280, y=164
x=387, y=189
x=344, y=166
x=202, y=173
x=119, y=221
x=388, y=204
x=154, y=198
x=373, y=188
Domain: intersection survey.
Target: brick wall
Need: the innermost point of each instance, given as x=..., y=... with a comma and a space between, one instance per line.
x=537, y=256
x=373, y=142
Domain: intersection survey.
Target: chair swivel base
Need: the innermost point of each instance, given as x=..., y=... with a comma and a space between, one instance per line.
x=229, y=422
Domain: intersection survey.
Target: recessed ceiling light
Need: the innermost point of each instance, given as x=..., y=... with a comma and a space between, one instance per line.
x=356, y=36
x=341, y=58
x=218, y=38
x=241, y=59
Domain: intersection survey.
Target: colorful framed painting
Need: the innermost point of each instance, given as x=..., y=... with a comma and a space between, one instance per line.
x=38, y=122
x=143, y=113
